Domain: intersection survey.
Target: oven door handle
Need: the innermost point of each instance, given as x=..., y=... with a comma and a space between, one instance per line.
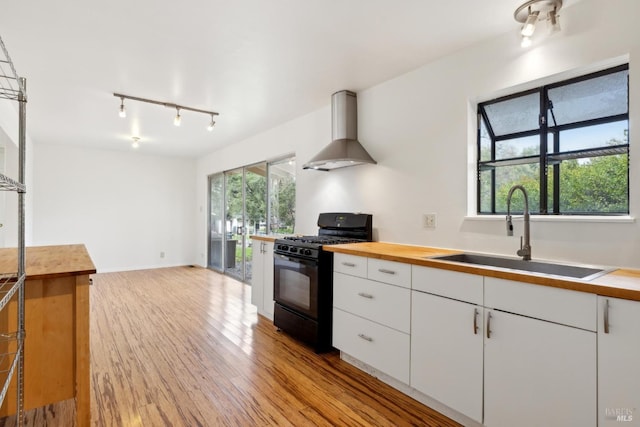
x=295, y=259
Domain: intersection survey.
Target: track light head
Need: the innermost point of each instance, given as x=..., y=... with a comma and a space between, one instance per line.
x=212, y=123
x=177, y=119
x=123, y=112
x=529, y=26
x=135, y=143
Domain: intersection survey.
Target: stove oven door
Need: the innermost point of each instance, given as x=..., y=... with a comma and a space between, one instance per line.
x=295, y=284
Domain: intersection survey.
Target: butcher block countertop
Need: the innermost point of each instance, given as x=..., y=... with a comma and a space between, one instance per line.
x=619, y=283
x=45, y=262
x=269, y=238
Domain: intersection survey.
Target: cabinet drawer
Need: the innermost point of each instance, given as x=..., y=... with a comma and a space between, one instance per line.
x=385, y=304
x=350, y=264
x=395, y=273
x=460, y=286
x=562, y=306
x=383, y=348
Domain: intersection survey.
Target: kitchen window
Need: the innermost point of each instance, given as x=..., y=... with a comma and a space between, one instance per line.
x=567, y=143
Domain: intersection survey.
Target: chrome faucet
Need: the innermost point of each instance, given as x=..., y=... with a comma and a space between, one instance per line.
x=525, y=248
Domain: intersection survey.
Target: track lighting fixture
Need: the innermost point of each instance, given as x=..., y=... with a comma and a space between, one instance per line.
x=533, y=11
x=177, y=119
x=135, y=143
x=123, y=112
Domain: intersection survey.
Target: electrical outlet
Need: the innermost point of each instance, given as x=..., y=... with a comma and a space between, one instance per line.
x=429, y=220
x=161, y=254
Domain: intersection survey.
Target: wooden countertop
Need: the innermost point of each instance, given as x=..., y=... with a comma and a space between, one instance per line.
x=619, y=283
x=264, y=238
x=43, y=262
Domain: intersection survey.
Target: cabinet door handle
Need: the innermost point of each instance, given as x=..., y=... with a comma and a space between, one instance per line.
x=475, y=321
x=385, y=271
x=348, y=264
x=606, y=316
x=488, y=325
x=365, y=337
x=365, y=295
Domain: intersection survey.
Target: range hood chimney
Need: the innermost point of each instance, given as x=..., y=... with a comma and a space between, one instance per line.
x=344, y=149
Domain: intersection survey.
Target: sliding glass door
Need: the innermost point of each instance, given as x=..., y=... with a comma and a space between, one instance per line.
x=238, y=200
x=216, y=221
x=251, y=200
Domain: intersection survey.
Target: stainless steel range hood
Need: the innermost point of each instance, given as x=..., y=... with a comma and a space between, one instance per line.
x=344, y=150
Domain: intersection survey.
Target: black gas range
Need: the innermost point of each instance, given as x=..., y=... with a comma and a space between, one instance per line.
x=303, y=276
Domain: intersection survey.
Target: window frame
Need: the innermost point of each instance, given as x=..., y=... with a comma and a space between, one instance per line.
x=549, y=163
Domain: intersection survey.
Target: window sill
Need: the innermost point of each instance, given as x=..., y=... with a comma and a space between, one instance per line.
x=623, y=219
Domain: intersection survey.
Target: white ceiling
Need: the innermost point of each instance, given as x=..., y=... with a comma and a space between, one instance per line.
x=258, y=63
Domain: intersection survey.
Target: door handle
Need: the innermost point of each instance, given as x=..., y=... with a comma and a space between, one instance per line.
x=488, y=325
x=385, y=271
x=348, y=264
x=475, y=321
x=365, y=295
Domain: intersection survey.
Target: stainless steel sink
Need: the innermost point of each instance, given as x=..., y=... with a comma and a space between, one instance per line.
x=576, y=272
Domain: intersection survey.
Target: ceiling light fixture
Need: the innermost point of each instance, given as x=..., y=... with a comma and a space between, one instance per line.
x=123, y=112
x=177, y=119
x=533, y=11
x=135, y=143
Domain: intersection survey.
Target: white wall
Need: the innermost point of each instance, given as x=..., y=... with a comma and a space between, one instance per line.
x=419, y=128
x=9, y=141
x=126, y=207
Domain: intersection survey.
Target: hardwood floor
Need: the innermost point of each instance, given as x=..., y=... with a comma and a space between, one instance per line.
x=184, y=347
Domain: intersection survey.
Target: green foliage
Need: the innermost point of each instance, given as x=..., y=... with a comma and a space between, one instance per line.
x=596, y=185
x=588, y=185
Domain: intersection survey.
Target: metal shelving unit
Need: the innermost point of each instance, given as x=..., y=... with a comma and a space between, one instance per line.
x=13, y=88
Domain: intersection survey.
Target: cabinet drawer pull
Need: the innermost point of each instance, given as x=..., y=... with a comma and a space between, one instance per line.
x=364, y=295
x=385, y=271
x=348, y=264
x=365, y=337
x=475, y=321
x=488, y=325
x=606, y=316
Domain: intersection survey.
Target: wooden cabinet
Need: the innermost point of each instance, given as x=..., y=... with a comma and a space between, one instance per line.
x=371, y=318
x=536, y=371
x=446, y=352
x=57, y=352
x=262, y=277
x=618, y=356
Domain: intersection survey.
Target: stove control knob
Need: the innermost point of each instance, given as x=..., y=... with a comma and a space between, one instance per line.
x=293, y=250
x=307, y=251
x=283, y=247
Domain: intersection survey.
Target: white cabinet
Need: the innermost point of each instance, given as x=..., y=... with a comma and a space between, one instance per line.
x=371, y=312
x=618, y=358
x=538, y=372
x=262, y=277
x=446, y=351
